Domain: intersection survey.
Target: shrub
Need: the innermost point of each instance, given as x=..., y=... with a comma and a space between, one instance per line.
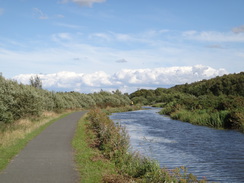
x=112, y=140
x=5, y=116
x=20, y=101
x=235, y=119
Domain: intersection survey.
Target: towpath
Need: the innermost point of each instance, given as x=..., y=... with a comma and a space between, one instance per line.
x=48, y=158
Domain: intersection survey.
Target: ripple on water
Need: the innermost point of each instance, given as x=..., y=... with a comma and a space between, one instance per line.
x=215, y=154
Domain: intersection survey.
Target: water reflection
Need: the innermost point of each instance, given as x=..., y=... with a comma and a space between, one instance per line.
x=215, y=154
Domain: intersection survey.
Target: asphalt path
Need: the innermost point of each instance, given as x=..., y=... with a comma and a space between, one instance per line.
x=48, y=158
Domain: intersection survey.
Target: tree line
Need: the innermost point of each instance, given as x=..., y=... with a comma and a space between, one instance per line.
x=21, y=101
x=217, y=102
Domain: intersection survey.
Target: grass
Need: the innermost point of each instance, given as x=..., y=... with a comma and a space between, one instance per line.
x=223, y=118
x=14, y=137
x=201, y=117
x=92, y=165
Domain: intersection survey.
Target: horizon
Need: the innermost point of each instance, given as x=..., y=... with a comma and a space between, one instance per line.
x=89, y=45
x=111, y=90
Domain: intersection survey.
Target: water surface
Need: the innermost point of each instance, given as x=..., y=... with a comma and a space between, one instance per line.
x=206, y=152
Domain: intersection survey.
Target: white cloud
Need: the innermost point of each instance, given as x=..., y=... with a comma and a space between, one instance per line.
x=39, y=14
x=84, y=2
x=167, y=75
x=97, y=79
x=123, y=37
x=148, y=37
x=59, y=16
x=61, y=37
x=99, y=55
x=111, y=36
x=127, y=80
x=71, y=26
x=212, y=36
x=102, y=36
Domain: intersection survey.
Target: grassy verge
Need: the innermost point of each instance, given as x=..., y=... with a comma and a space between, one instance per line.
x=103, y=155
x=92, y=165
x=14, y=137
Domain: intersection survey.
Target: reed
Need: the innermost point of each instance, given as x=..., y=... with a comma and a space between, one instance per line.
x=212, y=119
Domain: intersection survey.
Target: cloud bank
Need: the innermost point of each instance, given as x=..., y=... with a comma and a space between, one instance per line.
x=210, y=36
x=127, y=80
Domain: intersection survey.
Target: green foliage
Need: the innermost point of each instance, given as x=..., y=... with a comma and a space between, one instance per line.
x=5, y=115
x=105, y=99
x=92, y=166
x=232, y=84
x=113, y=140
x=21, y=101
x=27, y=102
x=218, y=102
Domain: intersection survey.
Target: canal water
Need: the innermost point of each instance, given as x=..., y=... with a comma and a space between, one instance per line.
x=217, y=155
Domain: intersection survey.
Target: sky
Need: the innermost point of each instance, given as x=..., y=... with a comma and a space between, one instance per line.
x=89, y=45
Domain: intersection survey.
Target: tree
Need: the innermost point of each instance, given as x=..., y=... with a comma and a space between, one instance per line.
x=36, y=82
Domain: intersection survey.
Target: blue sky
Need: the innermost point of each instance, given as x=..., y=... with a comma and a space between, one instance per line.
x=88, y=45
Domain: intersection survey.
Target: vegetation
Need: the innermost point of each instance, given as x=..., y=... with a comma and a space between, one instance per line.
x=91, y=164
x=102, y=147
x=113, y=157
x=26, y=109
x=218, y=102
x=18, y=101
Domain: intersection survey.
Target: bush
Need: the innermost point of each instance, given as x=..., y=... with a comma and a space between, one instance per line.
x=21, y=101
x=27, y=102
x=5, y=116
x=113, y=140
x=235, y=119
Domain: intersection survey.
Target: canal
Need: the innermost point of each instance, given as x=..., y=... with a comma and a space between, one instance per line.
x=215, y=154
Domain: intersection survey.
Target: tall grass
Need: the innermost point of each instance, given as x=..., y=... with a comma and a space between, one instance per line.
x=215, y=119
x=18, y=130
x=91, y=163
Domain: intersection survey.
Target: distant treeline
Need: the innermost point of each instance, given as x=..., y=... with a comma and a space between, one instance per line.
x=21, y=101
x=218, y=102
